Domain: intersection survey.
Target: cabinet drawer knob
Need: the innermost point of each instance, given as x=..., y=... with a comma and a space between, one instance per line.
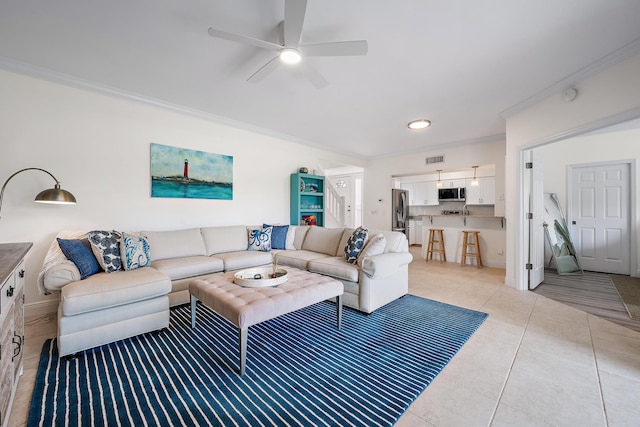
x=21, y=274
x=10, y=291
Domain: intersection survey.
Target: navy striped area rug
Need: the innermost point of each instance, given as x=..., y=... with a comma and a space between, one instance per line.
x=301, y=370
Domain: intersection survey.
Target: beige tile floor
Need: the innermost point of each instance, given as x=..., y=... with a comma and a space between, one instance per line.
x=534, y=361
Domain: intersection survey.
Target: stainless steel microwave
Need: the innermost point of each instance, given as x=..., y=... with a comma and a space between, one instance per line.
x=451, y=194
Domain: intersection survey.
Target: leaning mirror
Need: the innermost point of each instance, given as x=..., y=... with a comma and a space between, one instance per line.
x=563, y=253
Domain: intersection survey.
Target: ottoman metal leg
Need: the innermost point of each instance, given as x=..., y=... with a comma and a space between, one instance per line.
x=339, y=310
x=243, y=334
x=194, y=301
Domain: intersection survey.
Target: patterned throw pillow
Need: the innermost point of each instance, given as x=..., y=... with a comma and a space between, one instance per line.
x=278, y=235
x=79, y=253
x=375, y=246
x=106, y=249
x=355, y=244
x=134, y=252
x=260, y=240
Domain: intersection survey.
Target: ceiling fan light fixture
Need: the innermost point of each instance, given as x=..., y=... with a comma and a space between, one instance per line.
x=290, y=56
x=419, y=124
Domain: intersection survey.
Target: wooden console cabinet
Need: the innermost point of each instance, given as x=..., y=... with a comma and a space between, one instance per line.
x=12, y=321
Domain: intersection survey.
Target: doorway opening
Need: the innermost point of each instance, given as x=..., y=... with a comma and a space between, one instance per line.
x=594, y=175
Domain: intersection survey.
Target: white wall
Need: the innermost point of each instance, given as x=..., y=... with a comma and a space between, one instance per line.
x=378, y=182
x=98, y=147
x=602, y=99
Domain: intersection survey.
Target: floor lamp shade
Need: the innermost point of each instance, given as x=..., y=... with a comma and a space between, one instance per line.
x=55, y=195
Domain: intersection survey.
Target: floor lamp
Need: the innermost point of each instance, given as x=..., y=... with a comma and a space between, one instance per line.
x=54, y=195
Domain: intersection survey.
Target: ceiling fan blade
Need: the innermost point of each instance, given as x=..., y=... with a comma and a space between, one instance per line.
x=358, y=47
x=243, y=39
x=294, y=11
x=265, y=70
x=313, y=75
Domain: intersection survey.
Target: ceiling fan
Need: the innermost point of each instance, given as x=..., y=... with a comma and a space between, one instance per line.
x=290, y=50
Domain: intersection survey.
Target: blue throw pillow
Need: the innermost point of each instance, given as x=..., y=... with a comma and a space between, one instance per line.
x=79, y=253
x=355, y=244
x=260, y=240
x=278, y=236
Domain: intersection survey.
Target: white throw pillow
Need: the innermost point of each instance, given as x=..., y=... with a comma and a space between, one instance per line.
x=291, y=235
x=375, y=246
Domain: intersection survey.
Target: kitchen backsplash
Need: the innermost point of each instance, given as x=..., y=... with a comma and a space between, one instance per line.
x=449, y=206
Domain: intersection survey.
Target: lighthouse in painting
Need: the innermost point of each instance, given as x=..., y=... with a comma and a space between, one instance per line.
x=185, y=174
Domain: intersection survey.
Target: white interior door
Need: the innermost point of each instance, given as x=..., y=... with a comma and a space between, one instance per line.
x=536, y=231
x=599, y=216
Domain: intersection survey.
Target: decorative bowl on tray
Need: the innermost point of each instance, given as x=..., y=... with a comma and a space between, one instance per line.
x=260, y=277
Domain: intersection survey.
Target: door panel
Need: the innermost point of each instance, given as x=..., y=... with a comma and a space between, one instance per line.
x=600, y=217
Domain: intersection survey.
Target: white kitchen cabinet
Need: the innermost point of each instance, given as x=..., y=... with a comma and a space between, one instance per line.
x=453, y=183
x=417, y=233
x=482, y=194
x=424, y=193
x=409, y=187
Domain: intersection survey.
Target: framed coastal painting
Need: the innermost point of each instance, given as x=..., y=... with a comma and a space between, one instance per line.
x=191, y=174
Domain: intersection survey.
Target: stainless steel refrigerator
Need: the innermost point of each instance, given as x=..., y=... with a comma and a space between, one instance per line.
x=400, y=210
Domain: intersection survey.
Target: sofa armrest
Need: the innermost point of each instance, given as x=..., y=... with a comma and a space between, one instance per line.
x=385, y=264
x=58, y=275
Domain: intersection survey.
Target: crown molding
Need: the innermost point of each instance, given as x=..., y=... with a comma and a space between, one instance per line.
x=53, y=76
x=617, y=56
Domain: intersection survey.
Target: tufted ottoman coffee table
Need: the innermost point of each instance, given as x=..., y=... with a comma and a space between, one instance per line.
x=245, y=306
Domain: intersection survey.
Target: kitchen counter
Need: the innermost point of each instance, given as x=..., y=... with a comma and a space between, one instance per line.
x=492, y=235
x=464, y=217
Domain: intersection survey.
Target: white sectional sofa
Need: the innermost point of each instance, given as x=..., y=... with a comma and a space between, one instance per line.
x=107, y=307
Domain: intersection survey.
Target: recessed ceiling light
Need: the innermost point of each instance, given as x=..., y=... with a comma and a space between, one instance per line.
x=419, y=124
x=290, y=56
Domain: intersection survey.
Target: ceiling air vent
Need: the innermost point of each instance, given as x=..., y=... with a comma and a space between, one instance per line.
x=434, y=159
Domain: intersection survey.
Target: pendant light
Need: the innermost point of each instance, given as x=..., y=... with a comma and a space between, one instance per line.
x=439, y=183
x=474, y=181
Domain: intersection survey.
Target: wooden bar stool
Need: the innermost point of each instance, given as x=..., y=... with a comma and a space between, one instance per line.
x=467, y=244
x=436, y=244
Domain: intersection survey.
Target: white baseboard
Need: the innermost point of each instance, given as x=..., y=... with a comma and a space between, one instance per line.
x=40, y=308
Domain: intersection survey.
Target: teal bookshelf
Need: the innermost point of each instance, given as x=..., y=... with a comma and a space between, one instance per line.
x=307, y=199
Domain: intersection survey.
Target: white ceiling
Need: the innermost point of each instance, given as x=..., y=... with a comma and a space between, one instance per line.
x=459, y=63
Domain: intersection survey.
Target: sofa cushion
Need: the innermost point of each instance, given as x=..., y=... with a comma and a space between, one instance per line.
x=301, y=233
x=134, y=252
x=225, y=239
x=104, y=290
x=260, y=240
x=175, y=244
x=244, y=259
x=346, y=234
x=180, y=268
x=337, y=267
x=298, y=258
x=106, y=248
x=355, y=244
x=322, y=240
x=79, y=252
x=291, y=236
